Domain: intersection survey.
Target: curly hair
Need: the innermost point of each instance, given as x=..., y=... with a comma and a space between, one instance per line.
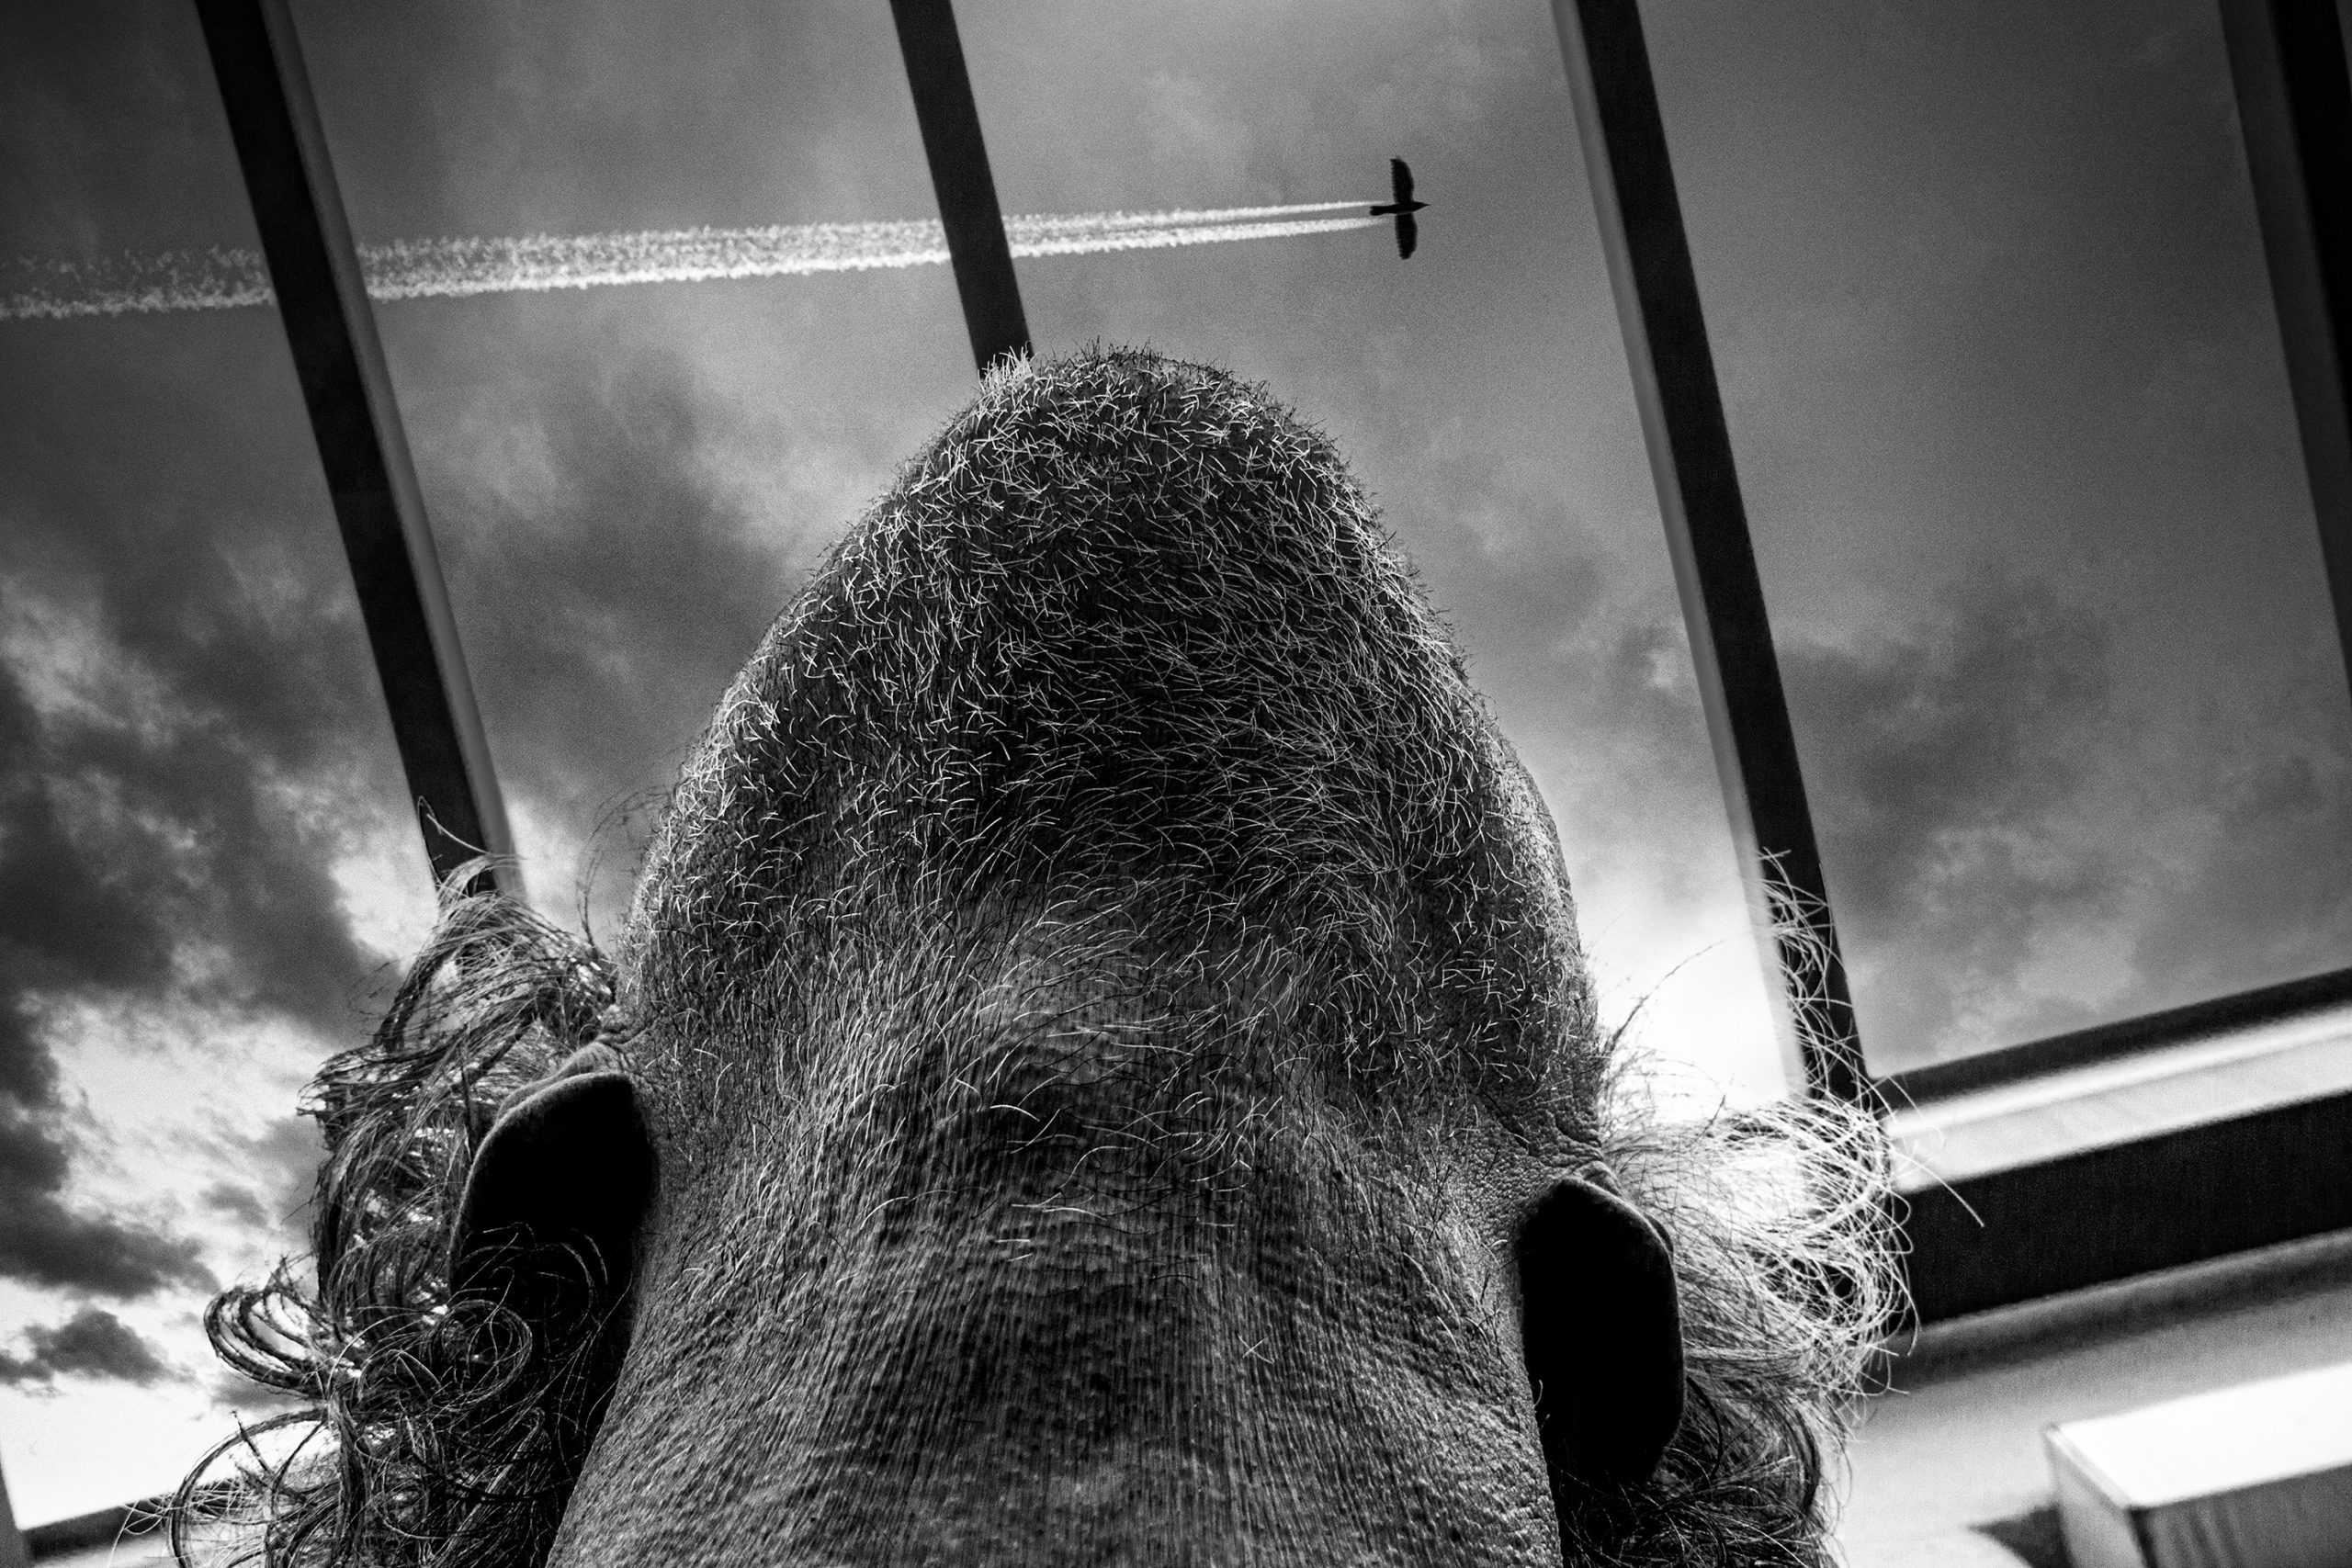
x=437, y=1426
x=1784, y=1227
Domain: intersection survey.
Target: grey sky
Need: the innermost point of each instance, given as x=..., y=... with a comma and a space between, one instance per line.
x=2008, y=393
x=2001, y=374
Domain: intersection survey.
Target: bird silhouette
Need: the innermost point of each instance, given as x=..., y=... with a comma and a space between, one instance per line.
x=1400, y=181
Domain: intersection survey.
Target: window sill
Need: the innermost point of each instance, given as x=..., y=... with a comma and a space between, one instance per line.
x=2211, y=1078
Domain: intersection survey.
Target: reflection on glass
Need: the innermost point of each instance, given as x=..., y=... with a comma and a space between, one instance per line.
x=2003, y=379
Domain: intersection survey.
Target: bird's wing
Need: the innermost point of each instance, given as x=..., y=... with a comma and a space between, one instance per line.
x=1400, y=180
x=1409, y=234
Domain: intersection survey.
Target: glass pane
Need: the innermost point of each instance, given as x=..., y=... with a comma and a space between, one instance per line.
x=205, y=851
x=2003, y=379
x=627, y=482
x=1479, y=390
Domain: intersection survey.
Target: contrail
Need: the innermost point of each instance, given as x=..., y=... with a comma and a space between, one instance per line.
x=417, y=269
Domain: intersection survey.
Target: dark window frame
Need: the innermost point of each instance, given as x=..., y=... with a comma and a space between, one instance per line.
x=355, y=419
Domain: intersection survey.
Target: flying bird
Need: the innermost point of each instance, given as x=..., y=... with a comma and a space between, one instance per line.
x=1400, y=181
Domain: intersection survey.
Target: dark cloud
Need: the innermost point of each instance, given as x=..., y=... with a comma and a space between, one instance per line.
x=609, y=602
x=239, y=1203
x=1933, y=745
x=2014, y=849
x=45, y=1242
x=1582, y=655
x=190, y=730
x=93, y=1343
x=277, y=1175
x=2263, y=895
x=187, y=689
x=241, y=1393
x=1945, y=767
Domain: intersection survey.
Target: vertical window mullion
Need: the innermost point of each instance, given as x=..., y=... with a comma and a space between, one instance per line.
x=1706, y=528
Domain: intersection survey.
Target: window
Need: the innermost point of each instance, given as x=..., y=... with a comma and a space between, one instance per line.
x=2182, y=1171
x=625, y=483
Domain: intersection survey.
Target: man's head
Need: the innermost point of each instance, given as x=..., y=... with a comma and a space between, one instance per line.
x=1101, y=1068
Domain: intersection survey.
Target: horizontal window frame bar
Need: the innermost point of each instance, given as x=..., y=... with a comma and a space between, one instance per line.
x=2116, y=1040
x=124, y=1522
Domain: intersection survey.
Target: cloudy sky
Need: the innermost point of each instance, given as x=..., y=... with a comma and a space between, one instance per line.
x=2002, y=379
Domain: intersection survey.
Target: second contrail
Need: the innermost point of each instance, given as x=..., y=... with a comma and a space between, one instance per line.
x=416, y=269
